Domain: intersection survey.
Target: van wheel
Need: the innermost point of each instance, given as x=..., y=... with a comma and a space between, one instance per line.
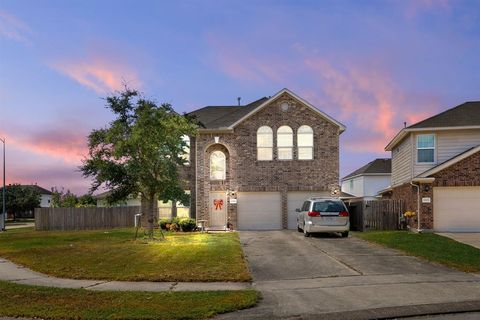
x=345, y=234
x=305, y=233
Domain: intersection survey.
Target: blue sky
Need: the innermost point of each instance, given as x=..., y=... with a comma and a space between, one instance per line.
x=370, y=64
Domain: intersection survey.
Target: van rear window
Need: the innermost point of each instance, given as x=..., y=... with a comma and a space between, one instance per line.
x=328, y=206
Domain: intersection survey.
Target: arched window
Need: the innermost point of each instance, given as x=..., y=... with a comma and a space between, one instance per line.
x=217, y=165
x=305, y=143
x=285, y=143
x=186, y=149
x=264, y=143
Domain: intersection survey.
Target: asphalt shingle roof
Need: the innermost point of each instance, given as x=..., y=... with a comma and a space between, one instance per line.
x=375, y=166
x=466, y=114
x=214, y=117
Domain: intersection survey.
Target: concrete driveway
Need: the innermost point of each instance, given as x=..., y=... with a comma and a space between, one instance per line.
x=347, y=278
x=470, y=238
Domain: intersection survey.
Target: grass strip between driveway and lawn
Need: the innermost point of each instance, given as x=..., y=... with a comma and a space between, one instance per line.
x=55, y=303
x=115, y=255
x=429, y=246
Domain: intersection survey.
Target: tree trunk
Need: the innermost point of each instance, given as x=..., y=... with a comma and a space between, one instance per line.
x=149, y=213
x=174, y=209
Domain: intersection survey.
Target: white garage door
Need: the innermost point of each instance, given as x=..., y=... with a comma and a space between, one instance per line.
x=295, y=201
x=259, y=211
x=456, y=209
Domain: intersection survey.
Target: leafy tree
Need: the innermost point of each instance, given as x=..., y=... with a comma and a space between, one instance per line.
x=139, y=152
x=20, y=199
x=62, y=199
x=87, y=200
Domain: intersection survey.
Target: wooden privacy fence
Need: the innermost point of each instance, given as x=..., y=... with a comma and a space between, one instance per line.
x=376, y=214
x=85, y=218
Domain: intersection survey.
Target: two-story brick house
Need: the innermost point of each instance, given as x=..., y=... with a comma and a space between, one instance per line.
x=436, y=169
x=253, y=165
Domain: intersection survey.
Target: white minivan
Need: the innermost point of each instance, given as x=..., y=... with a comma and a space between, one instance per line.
x=323, y=215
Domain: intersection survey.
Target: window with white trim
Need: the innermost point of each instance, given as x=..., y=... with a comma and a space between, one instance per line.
x=285, y=143
x=217, y=165
x=426, y=148
x=264, y=143
x=305, y=143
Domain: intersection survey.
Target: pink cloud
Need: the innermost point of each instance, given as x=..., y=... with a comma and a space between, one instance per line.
x=101, y=74
x=414, y=8
x=56, y=143
x=242, y=64
x=369, y=97
x=13, y=28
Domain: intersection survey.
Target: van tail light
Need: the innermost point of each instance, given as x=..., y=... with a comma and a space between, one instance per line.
x=313, y=214
x=343, y=214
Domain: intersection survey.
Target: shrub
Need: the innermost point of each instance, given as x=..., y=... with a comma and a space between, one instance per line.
x=163, y=223
x=188, y=225
x=174, y=227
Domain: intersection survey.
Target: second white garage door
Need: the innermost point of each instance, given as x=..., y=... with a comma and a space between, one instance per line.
x=295, y=201
x=456, y=209
x=259, y=211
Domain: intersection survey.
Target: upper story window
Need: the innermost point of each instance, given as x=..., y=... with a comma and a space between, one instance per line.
x=426, y=148
x=285, y=143
x=305, y=143
x=186, y=149
x=217, y=165
x=264, y=143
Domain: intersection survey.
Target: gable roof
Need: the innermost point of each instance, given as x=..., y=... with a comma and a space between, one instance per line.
x=464, y=116
x=375, y=167
x=450, y=162
x=227, y=117
x=214, y=117
x=35, y=187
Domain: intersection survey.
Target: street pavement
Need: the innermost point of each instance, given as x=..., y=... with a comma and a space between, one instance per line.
x=338, y=278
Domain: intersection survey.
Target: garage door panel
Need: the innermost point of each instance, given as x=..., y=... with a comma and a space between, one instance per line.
x=295, y=200
x=456, y=209
x=259, y=211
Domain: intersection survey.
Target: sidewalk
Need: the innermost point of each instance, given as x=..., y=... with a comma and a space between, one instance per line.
x=19, y=225
x=12, y=272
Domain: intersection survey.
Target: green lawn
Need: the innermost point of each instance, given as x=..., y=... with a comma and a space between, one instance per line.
x=115, y=255
x=429, y=246
x=53, y=303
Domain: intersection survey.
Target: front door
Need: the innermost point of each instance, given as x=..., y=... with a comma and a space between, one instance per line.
x=218, y=209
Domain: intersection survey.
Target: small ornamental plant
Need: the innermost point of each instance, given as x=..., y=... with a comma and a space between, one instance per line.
x=409, y=214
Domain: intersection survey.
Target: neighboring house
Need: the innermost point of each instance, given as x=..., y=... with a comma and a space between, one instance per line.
x=253, y=165
x=165, y=209
x=368, y=180
x=45, y=196
x=436, y=169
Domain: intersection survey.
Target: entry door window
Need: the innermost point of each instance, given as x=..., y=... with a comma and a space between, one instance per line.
x=217, y=166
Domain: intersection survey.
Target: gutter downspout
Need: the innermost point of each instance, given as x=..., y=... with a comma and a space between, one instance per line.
x=418, y=205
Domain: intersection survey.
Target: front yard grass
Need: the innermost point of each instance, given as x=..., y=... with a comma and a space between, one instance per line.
x=54, y=303
x=115, y=255
x=429, y=246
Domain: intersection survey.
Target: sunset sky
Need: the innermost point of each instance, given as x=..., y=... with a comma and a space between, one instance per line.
x=370, y=64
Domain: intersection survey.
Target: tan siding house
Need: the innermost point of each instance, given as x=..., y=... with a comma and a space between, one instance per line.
x=436, y=169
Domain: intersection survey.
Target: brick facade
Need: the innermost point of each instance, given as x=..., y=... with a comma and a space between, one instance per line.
x=461, y=174
x=246, y=174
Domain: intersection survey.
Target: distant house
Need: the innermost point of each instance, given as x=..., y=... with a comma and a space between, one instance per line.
x=436, y=169
x=45, y=201
x=45, y=196
x=165, y=209
x=368, y=180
